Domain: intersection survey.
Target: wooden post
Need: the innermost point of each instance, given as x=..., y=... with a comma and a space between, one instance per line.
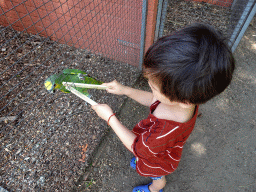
x=151, y=23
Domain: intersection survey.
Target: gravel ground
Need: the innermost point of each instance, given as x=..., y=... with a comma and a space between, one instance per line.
x=50, y=141
x=181, y=13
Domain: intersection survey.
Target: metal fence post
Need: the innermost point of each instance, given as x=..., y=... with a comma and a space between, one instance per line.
x=242, y=24
x=161, y=15
x=158, y=18
x=143, y=32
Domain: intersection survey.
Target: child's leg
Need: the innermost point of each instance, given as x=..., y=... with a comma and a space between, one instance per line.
x=157, y=184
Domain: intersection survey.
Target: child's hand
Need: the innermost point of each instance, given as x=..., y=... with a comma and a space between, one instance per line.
x=115, y=88
x=103, y=111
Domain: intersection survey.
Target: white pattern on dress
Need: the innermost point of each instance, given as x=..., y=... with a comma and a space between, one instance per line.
x=157, y=167
x=168, y=132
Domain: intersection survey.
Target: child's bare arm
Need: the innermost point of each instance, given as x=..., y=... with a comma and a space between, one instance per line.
x=124, y=134
x=143, y=97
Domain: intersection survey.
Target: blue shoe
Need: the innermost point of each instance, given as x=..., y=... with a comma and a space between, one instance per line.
x=133, y=163
x=143, y=188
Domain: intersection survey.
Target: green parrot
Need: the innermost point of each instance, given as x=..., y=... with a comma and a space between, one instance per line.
x=69, y=75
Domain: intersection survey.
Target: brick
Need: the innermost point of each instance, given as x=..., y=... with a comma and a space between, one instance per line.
x=21, y=9
x=32, y=30
x=3, y=20
x=6, y=6
x=135, y=3
x=35, y=3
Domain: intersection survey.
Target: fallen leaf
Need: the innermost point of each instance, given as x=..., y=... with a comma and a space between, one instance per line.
x=84, y=149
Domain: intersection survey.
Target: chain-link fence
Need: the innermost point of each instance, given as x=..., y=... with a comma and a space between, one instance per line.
x=230, y=17
x=45, y=139
x=109, y=28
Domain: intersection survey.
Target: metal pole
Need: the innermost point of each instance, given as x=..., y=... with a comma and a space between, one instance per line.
x=163, y=17
x=143, y=31
x=158, y=18
x=246, y=24
x=242, y=24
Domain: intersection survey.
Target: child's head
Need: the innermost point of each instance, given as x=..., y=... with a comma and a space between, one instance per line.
x=192, y=65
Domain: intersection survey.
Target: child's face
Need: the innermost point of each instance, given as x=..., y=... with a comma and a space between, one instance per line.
x=155, y=87
x=156, y=90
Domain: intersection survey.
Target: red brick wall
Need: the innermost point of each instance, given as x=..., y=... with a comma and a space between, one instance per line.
x=108, y=27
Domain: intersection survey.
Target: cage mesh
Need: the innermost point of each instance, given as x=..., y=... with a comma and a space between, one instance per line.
x=42, y=135
x=228, y=17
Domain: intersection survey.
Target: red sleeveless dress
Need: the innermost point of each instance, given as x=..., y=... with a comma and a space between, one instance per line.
x=159, y=143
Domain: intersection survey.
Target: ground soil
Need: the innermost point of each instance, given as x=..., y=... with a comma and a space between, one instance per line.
x=50, y=142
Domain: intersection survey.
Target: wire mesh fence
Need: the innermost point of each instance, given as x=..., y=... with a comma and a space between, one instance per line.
x=230, y=17
x=45, y=138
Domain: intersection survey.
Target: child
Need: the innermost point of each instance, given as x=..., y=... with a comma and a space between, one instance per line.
x=184, y=70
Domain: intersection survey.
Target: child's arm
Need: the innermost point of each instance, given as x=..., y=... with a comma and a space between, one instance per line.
x=124, y=134
x=143, y=97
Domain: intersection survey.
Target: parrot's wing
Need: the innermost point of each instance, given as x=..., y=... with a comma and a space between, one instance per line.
x=89, y=80
x=85, y=80
x=59, y=80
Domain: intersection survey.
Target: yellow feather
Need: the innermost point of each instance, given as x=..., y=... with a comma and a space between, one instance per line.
x=58, y=86
x=48, y=85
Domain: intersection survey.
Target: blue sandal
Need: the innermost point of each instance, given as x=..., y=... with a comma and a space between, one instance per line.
x=143, y=188
x=133, y=163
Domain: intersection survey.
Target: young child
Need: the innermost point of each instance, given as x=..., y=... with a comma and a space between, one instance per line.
x=184, y=70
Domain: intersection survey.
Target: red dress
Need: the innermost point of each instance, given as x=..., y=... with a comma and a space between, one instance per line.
x=159, y=143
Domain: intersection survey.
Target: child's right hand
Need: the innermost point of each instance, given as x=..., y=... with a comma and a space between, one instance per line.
x=115, y=88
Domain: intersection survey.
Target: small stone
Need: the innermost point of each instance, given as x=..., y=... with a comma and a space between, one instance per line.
x=41, y=180
x=33, y=160
x=19, y=150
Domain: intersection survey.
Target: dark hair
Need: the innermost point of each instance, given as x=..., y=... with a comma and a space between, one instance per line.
x=193, y=64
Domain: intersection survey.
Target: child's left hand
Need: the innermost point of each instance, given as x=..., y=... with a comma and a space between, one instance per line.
x=103, y=111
